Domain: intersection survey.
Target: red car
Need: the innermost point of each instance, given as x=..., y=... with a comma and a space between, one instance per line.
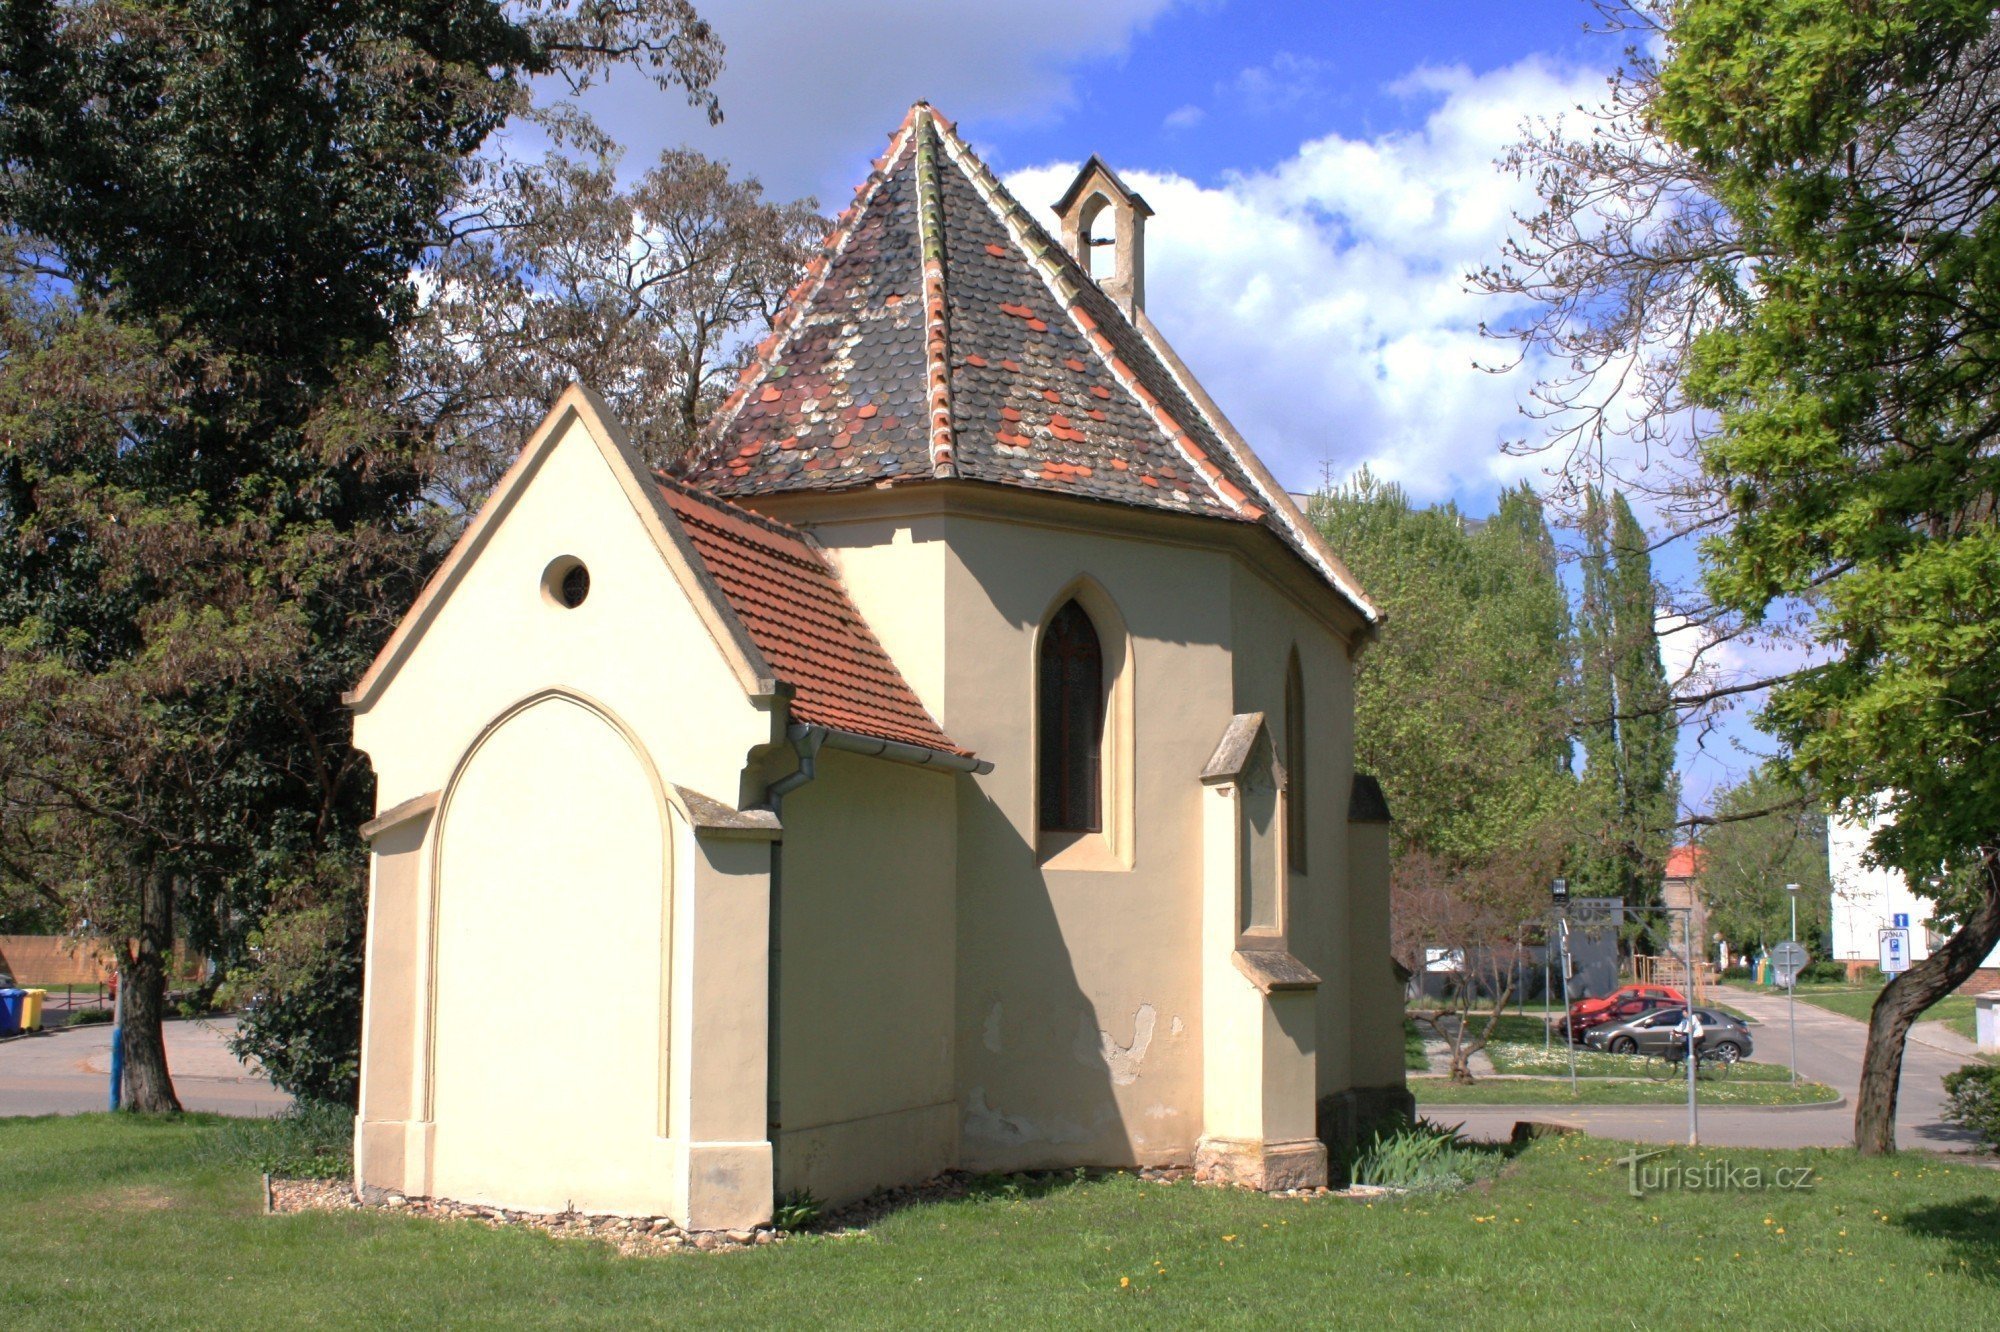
x=1621, y=1005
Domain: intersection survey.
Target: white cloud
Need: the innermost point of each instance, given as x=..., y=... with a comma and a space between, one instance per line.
x=1284, y=83
x=1323, y=302
x=810, y=94
x=1184, y=117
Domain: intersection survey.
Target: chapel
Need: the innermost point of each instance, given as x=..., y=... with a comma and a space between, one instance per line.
x=949, y=765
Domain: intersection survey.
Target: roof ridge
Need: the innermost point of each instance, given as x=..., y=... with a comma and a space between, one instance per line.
x=800, y=298
x=937, y=332
x=1059, y=271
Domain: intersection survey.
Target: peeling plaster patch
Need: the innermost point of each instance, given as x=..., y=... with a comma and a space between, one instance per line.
x=1094, y=1046
x=1177, y=1028
x=985, y=1124
x=1162, y=1112
x=993, y=1029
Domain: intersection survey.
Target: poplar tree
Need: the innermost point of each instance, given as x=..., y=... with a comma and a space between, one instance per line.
x=1774, y=250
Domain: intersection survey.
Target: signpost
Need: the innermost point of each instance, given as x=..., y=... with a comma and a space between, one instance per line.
x=1559, y=891
x=1790, y=959
x=1895, y=950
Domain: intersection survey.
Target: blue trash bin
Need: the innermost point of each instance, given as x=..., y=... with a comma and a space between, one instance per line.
x=10, y=1011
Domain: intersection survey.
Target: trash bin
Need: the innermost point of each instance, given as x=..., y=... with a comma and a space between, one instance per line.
x=10, y=1011
x=31, y=1009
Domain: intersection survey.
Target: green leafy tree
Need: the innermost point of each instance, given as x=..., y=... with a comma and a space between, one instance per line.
x=1459, y=711
x=1769, y=833
x=1785, y=221
x=213, y=210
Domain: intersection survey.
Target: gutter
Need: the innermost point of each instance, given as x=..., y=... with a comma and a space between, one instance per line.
x=896, y=751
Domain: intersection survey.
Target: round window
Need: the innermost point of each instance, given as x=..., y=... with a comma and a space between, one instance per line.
x=566, y=582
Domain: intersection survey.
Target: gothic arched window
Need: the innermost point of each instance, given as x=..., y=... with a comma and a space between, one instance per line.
x=1071, y=723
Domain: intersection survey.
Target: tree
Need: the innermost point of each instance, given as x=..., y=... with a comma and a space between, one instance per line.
x=212, y=212
x=1787, y=223
x=1459, y=711
x=1622, y=716
x=1746, y=863
x=559, y=274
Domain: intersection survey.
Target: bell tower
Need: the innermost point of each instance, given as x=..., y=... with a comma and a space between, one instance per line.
x=1104, y=228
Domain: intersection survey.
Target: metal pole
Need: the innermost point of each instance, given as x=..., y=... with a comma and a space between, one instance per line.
x=1546, y=1020
x=1694, y=1047
x=1792, y=992
x=118, y=1047
x=1569, y=1037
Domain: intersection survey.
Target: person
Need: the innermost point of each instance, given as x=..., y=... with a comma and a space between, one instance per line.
x=1689, y=1030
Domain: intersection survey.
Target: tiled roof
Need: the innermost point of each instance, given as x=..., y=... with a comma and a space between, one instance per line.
x=1684, y=862
x=794, y=608
x=942, y=333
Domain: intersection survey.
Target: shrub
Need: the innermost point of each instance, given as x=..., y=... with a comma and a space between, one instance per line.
x=1424, y=1157
x=1973, y=1099
x=797, y=1210
x=87, y=1017
x=312, y=1140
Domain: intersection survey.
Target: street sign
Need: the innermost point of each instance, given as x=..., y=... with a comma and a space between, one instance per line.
x=1900, y=921
x=1895, y=946
x=1789, y=959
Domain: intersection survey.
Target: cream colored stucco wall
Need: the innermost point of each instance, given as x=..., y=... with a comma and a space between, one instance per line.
x=866, y=974
x=549, y=1049
x=493, y=919
x=636, y=644
x=1266, y=627
x=1079, y=991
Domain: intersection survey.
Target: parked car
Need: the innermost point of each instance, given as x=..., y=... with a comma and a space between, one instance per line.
x=1652, y=1033
x=1622, y=1004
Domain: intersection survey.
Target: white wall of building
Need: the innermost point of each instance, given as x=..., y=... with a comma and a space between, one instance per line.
x=1867, y=900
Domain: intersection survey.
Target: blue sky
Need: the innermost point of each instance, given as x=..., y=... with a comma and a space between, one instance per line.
x=1322, y=178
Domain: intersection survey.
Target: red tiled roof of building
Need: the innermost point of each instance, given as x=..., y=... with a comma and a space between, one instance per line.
x=1684, y=862
x=794, y=608
x=942, y=333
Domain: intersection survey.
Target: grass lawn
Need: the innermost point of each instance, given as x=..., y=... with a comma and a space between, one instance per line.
x=1508, y=1057
x=121, y=1224
x=1414, y=1057
x=1954, y=1010
x=1614, y=1091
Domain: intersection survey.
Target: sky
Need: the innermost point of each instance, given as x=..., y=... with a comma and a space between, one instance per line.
x=1322, y=178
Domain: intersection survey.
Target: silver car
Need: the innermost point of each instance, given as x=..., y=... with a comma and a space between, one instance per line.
x=1722, y=1036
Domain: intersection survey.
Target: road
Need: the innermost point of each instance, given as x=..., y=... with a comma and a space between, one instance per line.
x=69, y=1071
x=1830, y=1047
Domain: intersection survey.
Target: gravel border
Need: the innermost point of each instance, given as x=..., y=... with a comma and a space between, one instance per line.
x=630, y=1235
x=640, y=1235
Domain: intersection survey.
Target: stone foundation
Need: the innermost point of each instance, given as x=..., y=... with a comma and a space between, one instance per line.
x=1274, y=1167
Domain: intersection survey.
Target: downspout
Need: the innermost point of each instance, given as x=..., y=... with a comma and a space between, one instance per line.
x=806, y=742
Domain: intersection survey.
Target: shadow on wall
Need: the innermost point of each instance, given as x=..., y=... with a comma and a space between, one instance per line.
x=1037, y=1073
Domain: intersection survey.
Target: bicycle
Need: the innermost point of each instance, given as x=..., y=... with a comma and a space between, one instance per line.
x=1672, y=1063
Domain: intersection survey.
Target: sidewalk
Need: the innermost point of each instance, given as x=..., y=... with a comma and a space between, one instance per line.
x=68, y=1072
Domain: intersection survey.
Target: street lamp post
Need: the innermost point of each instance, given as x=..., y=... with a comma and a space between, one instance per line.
x=1792, y=984
x=1693, y=1051
x=1559, y=890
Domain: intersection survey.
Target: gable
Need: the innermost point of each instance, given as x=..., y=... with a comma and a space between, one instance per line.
x=679, y=567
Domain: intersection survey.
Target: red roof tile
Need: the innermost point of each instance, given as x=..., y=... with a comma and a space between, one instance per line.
x=794, y=608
